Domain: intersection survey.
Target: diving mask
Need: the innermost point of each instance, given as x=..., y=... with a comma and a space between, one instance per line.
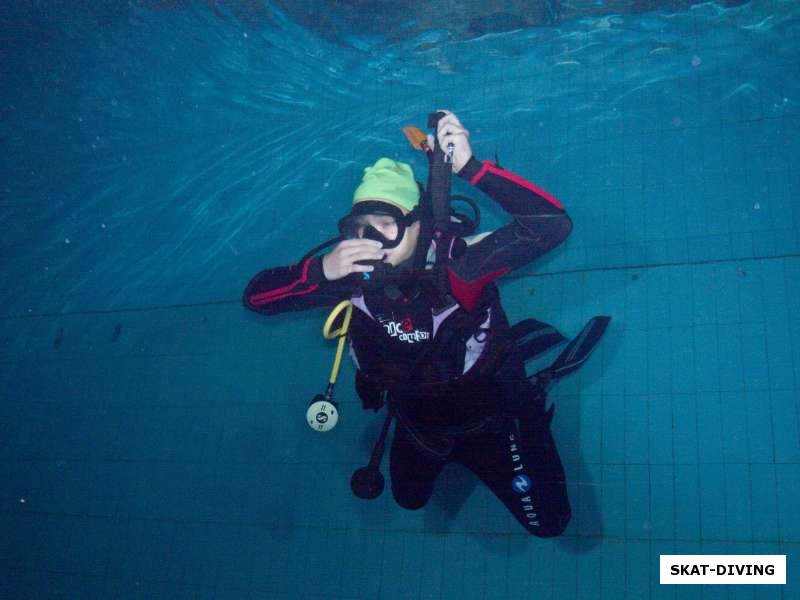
x=390, y=219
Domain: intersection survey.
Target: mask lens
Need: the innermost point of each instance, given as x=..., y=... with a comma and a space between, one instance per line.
x=377, y=227
x=381, y=228
x=375, y=221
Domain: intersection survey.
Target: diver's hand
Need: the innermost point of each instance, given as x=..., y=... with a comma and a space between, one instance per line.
x=340, y=261
x=451, y=131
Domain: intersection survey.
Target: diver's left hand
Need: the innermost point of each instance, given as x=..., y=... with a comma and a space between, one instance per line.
x=451, y=131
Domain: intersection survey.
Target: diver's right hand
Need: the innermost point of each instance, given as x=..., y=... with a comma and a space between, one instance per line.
x=340, y=261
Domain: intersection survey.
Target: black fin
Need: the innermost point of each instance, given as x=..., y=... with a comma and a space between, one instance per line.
x=576, y=352
x=533, y=338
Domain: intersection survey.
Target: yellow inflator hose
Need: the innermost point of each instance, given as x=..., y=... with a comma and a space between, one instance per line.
x=341, y=333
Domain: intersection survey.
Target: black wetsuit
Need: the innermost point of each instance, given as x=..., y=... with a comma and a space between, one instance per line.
x=458, y=390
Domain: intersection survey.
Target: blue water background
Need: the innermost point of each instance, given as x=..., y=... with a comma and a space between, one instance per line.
x=152, y=441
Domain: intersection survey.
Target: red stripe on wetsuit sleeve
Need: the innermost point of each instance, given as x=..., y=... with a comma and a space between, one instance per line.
x=489, y=167
x=479, y=175
x=285, y=291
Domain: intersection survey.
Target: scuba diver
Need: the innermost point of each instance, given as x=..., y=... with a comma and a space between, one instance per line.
x=429, y=337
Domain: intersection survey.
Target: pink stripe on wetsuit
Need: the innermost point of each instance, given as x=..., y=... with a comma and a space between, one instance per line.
x=285, y=291
x=490, y=167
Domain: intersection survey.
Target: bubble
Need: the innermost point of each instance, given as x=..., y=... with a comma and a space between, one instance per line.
x=66, y=240
x=756, y=206
x=23, y=500
x=696, y=61
x=102, y=225
x=244, y=34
